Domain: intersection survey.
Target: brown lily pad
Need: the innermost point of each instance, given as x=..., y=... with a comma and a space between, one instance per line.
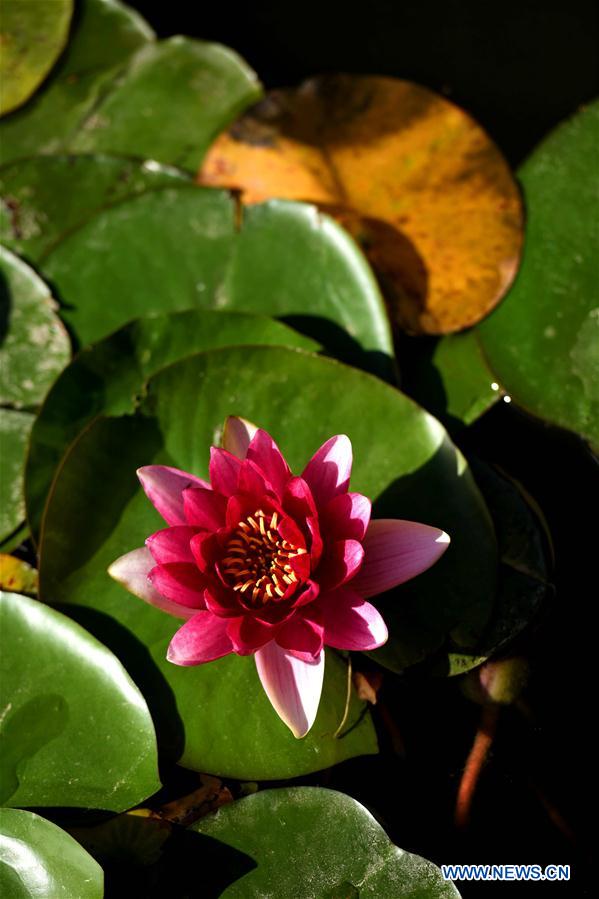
x=414, y=178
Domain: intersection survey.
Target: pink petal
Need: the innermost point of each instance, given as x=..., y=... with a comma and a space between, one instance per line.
x=204, y=508
x=292, y=685
x=248, y=634
x=204, y=547
x=299, y=503
x=346, y=516
x=171, y=544
x=132, y=570
x=201, y=639
x=340, y=563
x=253, y=480
x=237, y=435
x=164, y=488
x=350, y=622
x=302, y=636
x=328, y=471
x=224, y=471
x=394, y=552
x=180, y=582
x=267, y=456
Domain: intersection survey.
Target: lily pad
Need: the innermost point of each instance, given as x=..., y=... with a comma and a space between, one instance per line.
x=38, y=860
x=17, y=576
x=45, y=197
x=104, y=35
x=543, y=341
x=15, y=427
x=108, y=377
x=170, y=103
x=287, y=260
x=439, y=208
x=75, y=730
x=449, y=376
x=301, y=399
x=34, y=345
x=32, y=37
x=524, y=579
x=308, y=842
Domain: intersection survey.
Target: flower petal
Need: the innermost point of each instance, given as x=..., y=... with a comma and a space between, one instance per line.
x=340, y=563
x=164, y=488
x=204, y=508
x=180, y=582
x=252, y=480
x=171, y=544
x=237, y=435
x=346, y=517
x=201, y=639
x=292, y=685
x=350, y=622
x=248, y=634
x=394, y=552
x=224, y=471
x=132, y=569
x=302, y=636
x=328, y=471
x=265, y=453
x=204, y=547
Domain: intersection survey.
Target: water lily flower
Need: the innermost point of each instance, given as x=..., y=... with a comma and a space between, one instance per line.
x=266, y=563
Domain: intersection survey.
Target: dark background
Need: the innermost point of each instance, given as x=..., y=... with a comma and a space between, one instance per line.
x=519, y=68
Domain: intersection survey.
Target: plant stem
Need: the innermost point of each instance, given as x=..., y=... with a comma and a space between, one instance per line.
x=474, y=764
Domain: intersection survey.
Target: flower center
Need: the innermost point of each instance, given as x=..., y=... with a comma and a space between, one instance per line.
x=256, y=561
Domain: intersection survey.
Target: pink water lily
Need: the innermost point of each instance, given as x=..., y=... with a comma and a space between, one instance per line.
x=266, y=563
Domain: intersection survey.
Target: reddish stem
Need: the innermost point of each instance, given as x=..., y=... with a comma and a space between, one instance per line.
x=474, y=764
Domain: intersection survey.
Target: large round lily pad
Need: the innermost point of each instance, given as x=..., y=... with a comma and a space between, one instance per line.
x=180, y=248
x=411, y=174
x=170, y=103
x=105, y=34
x=38, y=860
x=108, y=377
x=302, y=399
x=311, y=843
x=34, y=345
x=45, y=197
x=75, y=729
x=32, y=36
x=543, y=341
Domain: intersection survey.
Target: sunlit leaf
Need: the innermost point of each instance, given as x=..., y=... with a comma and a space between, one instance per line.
x=438, y=211
x=32, y=35
x=543, y=341
x=307, y=842
x=75, y=729
x=38, y=860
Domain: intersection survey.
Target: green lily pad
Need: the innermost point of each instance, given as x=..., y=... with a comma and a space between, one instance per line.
x=311, y=843
x=301, y=399
x=542, y=342
x=107, y=378
x=287, y=260
x=32, y=37
x=15, y=427
x=39, y=860
x=34, y=345
x=212, y=717
x=170, y=103
x=524, y=570
x=104, y=35
x=76, y=730
x=45, y=197
x=449, y=376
